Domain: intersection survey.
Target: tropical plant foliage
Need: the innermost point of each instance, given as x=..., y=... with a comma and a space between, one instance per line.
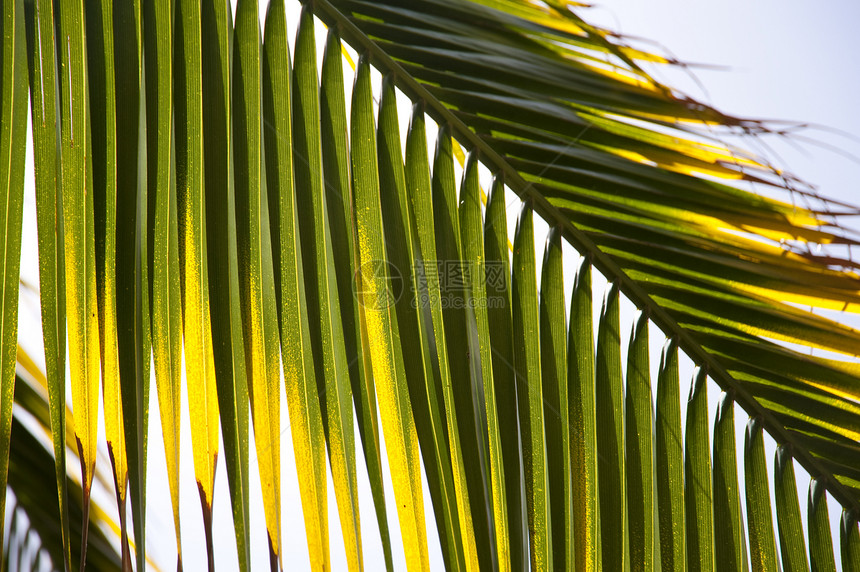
x=203, y=190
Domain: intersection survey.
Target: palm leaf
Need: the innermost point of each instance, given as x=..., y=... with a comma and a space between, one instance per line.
x=44, y=96
x=323, y=302
x=13, y=138
x=256, y=274
x=430, y=398
x=224, y=303
x=292, y=214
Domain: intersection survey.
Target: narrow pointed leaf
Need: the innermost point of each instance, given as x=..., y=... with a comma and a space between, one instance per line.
x=791, y=543
x=77, y=181
x=639, y=426
x=553, y=343
x=476, y=274
x=428, y=397
x=44, y=101
x=530, y=399
x=849, y=541
x=324, y=313
x=199, y=359
x=697, y=479
x=306, y=424
x=103, y=98
x=498, y=280
x=13, y=139
x=382, y=327
x=338, y=189
x=670, y=462
x=163, y=236
x=818, y=523
x=581, y=386
x=465, y=428
x=132, y=296
x=762, y=545
x=610, y=436
x=729, y=534
x=224, y=303
x=256, y=273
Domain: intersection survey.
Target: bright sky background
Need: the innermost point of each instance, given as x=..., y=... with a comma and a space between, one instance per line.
x=786, y=59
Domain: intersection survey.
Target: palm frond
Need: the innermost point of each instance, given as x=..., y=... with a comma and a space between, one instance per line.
x=266, y=225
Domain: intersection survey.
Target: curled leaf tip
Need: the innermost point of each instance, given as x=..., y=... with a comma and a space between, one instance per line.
x=753, y=430
x=726, y=402
x=782, y=458
x=849, y=520
x=816, y=489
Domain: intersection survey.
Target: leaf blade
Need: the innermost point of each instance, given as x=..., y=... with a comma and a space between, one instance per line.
x=387, y=360
x=762, y=545
x=324, y=312
x=79, y=243
x=256, y=273
x=820, y=539
x=670, y=461
x=224, y=303
x=728, y=526
x=476, y=273
x=553, y=328
x=697, y=479
x=338, y=188
x=13, y=137
x=528, y=370
x=611, y=466
x=504, y=378
x=432, y=423
x=133, y=324
x=581, y=382
x=791, y=542
x=196, y=321
x=45, y=110
x=639, y=450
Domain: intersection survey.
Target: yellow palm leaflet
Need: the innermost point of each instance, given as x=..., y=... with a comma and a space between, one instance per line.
x=79, y=240
x=387, y=361
x=105, y=184
x=199, y=358
x=306, y=424
x=256, y=273
x=706, y=152
x=472, y=241
x=536, y=13
x=45, y=113
x=456, y=377
x=165, y=277
x=324, y=309
x=448, y=486
x=13, y=147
